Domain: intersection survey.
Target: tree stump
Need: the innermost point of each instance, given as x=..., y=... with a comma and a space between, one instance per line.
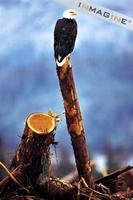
x=32, y=158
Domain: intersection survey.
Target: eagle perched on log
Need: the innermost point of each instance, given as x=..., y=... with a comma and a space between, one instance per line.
x=64, y=36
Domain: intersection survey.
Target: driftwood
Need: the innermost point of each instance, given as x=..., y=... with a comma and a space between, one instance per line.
x=119, y=180
x=55, y=189
x=74, y=122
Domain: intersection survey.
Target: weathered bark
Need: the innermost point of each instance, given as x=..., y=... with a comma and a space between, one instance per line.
x=74, y=121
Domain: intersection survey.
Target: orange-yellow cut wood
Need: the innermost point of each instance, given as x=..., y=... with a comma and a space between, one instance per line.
x=41, y=123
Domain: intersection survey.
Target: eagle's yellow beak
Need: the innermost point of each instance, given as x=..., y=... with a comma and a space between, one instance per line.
x=74, y=13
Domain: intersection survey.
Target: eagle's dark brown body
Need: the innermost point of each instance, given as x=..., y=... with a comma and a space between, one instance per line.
x=64, y=38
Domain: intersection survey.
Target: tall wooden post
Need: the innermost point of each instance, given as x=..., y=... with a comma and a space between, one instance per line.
x=74, y=121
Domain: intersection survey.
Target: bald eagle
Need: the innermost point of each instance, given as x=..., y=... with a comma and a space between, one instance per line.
x=64, y=36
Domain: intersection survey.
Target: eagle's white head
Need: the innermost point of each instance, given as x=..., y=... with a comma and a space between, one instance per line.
x=69, y=14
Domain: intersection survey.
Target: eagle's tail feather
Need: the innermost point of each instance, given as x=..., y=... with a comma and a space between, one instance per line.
x=60, y=64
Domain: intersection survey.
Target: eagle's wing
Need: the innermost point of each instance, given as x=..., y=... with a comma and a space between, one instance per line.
x=64, y=38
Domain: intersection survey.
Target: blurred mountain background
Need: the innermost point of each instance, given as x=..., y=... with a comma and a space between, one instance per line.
x=103, y=71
